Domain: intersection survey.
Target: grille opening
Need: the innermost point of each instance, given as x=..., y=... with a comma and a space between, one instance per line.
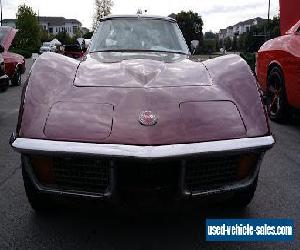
x=81, y=174
x=142, y=178
x=203, y=174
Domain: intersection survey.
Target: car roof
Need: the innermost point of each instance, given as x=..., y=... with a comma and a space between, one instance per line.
x=138, y=16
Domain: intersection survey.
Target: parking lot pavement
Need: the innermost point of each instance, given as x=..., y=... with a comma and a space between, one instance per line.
x=90, y=227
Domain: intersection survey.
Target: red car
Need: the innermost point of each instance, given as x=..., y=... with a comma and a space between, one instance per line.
x=74, y=51
x=4, y=81
x=138, y=119
x=278, y=72
x=14, y=63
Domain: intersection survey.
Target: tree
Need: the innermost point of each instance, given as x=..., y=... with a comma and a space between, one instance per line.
x=191, y=25
x=64, y=38
x=103, y=8
x=255, y=38
x=88, y=35
x=45, y=35
x=274, y=27
x=210, y=35
x=234, y=43
x=209, y=46
x=28, y=36
x=228, y=43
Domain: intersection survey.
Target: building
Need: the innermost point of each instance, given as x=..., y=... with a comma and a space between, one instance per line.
x=239, y=28
x=229, y=32
x=53, y=25
x=222, y=34
x=245, y=26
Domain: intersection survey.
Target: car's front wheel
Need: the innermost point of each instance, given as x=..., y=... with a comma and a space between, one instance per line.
x=39, y=202
x=17, y=78
x=276, y=95
x=3, y=88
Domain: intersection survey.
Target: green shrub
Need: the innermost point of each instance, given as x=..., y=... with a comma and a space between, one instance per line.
x=24, y=52
x=250, y=58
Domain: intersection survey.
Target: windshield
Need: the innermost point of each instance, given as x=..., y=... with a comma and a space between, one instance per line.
x=138, y=34
x=47, y=44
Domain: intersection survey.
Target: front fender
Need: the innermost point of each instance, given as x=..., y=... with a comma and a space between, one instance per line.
x=51, y=76
x=233, y=75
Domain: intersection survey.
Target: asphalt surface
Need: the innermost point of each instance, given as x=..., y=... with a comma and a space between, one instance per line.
x=85, y=226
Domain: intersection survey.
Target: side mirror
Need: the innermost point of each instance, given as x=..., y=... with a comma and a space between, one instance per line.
x=194, y=46
x=1, y=48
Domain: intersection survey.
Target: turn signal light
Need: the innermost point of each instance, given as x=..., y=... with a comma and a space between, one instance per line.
x=43, y=169
x=246, y=164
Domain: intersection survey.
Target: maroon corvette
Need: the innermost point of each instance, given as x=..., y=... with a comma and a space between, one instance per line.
x=138, y=119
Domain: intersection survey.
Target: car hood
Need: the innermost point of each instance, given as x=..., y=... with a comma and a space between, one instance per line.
x=6, y=42
x=152, y=70
x=108, y=99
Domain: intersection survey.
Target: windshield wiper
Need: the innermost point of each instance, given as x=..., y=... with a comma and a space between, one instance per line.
x=140, y=50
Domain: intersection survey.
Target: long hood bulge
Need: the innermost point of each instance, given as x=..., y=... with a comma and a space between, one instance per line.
x=141, y=73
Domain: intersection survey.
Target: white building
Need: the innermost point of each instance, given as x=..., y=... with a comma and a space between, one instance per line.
x=222, y=34
x=240, y=28
x=53, y=25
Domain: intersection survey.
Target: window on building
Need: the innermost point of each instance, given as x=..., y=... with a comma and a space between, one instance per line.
x=75, y=29
x=50, y=30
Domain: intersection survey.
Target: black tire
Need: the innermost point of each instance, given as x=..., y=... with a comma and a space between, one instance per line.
x=242, y=198
x=17, y=78
x=276, y=95
x=3, y=88
x=41, y=203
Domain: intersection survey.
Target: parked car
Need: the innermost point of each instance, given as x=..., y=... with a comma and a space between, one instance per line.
x=277, y=69
x=47, y=47
x=74, y=51
x=138, y=119
x=14, y=63
x=4, y=81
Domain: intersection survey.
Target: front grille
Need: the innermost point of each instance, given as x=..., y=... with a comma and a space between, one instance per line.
x=134, y=177
x=203, y=174
x=81, y=174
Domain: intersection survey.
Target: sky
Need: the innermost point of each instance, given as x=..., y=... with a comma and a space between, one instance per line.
x=216, y=14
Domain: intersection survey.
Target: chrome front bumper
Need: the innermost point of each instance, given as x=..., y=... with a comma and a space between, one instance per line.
x=236, y=146
x=37, y=146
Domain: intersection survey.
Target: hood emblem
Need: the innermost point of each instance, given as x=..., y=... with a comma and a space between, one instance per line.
x=148, y=118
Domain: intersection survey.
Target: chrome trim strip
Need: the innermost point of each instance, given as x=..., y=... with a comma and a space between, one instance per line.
x=24, y=145
x=4, y=77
